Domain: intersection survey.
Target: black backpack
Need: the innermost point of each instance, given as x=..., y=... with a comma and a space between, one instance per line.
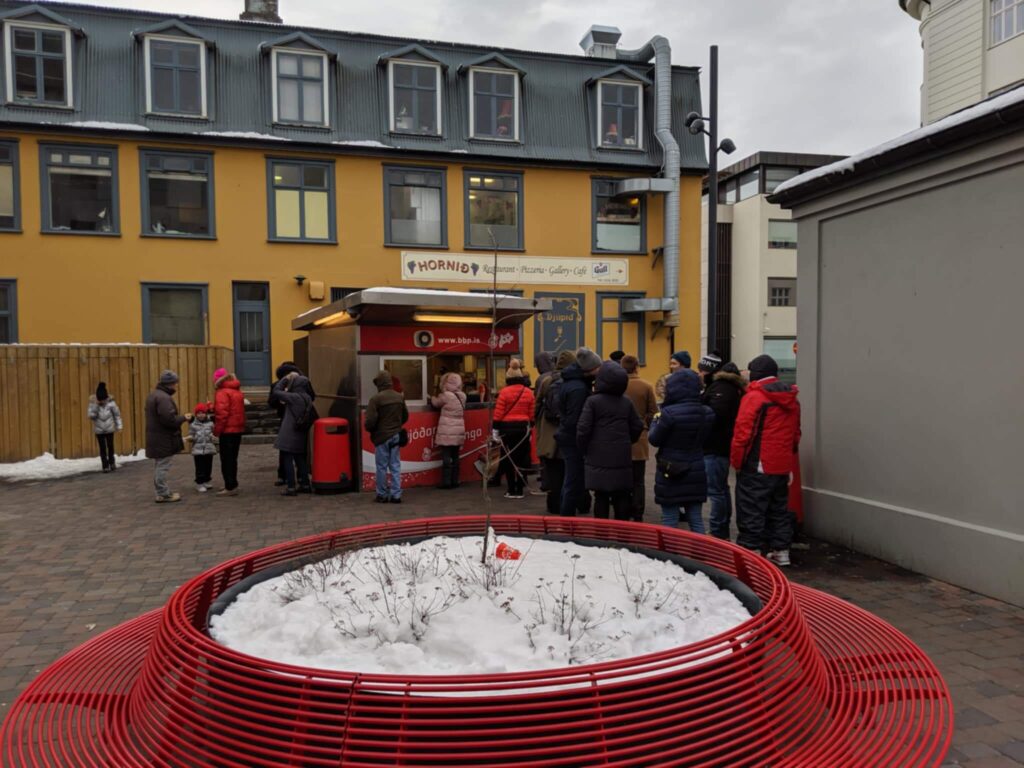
x=553, y=397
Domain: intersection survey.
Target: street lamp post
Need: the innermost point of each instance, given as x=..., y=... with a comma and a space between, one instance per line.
x=697, y=123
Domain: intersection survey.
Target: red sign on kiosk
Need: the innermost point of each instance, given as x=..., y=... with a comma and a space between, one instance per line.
x=442, y=339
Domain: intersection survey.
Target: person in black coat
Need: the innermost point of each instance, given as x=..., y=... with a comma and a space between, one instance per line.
x=278, y=405
x=722, y=393
x=572, y=393
x=296, y=393
x=607, y=429
x=679, y=431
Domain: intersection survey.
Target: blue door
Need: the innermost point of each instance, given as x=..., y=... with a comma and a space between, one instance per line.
x=252, y=333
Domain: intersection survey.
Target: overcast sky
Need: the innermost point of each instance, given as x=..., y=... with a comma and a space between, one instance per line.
x=795, y=76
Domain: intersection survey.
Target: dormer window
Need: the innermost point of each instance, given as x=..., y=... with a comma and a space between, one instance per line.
x=415, y=97
x=494, y=104
x=620, y=114
x=37, y=46
x=176, y=76
x=300, y=80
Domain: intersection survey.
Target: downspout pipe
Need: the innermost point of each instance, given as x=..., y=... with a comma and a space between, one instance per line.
x=659, y=49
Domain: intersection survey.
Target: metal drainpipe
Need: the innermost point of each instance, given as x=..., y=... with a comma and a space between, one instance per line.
x=659, y=48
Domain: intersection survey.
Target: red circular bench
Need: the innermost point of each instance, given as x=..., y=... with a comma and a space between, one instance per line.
x=808, y=681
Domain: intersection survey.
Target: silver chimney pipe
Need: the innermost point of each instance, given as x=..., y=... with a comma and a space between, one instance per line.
x=659, y=48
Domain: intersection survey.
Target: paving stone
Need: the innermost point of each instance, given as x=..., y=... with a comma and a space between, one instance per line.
x=84, y=554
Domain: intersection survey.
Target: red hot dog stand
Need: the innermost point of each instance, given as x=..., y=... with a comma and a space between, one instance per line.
x=417, y=335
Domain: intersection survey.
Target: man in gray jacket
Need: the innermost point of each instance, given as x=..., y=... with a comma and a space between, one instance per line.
x=163, y=433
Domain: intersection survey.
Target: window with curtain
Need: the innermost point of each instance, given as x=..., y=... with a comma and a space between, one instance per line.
x=8, y=186
x=177, y=195
x=301, y=200
x=415, y=202
x=1007, y=19
x=620, y=114
x=301, y=86
x=79, y=189
x=495, y=104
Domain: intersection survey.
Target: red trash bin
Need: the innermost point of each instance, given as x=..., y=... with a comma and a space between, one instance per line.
x=332, y=456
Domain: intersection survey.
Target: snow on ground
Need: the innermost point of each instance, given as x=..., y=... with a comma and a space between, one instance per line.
x=46, y=467
x=432, y=608
x=847, y=165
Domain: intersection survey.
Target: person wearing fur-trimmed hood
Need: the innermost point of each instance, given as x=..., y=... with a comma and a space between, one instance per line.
x=451, y=427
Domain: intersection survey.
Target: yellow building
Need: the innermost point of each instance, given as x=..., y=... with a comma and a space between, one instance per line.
x=216, y=179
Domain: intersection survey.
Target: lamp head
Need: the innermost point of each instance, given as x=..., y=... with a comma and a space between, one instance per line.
x=727, y=146
x=299, y=279
x=690, y=117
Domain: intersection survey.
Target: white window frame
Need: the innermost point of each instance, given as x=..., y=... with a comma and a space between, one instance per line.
x=149, y=74
x=391, y=95
x=639, y=113
x=516, y=92
x=9, y=26
x=1011, y=8
x=327, y=85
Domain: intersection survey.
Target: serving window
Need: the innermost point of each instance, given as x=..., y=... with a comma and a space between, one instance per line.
x=408, y=376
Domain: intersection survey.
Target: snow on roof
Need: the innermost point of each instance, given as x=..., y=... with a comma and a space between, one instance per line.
x=107, y=126
x=363, y=143
x=849, y=164
x=243, y=135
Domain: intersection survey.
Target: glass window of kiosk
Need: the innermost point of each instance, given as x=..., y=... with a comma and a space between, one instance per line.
x=408, y=376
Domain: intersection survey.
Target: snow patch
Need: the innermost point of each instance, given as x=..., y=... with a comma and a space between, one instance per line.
x=364, y=143
x=958, y=118
x=243, y=135
x=46, y=467
x=433, y=608
x=107, y=126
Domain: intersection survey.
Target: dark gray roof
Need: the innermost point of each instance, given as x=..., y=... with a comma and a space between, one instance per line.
x=558, y=113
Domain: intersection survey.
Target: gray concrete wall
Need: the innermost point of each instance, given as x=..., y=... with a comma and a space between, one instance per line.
x=912, y=367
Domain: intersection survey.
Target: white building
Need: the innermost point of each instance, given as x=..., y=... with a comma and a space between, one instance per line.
x=973, y=49
x=757, y=252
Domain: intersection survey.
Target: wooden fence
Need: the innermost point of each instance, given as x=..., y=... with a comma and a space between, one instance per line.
x=45, y=389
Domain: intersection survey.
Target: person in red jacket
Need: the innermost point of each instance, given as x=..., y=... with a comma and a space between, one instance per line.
x=513, y=415
x=764, y=451
x=228, y=425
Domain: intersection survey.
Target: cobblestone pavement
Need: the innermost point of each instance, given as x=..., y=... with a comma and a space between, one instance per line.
x=80, y=555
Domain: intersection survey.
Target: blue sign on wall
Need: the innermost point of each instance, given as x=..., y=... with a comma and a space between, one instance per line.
x=562, y=327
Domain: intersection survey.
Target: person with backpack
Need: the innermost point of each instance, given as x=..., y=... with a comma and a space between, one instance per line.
x=106, y=420
x=296, y=392
x=545, y=417
x=228, y=426
x=678, y=432
x=278, y=405
x=451, y=427
x=722, y=393
x=607, y=428
x=764, y=452
x=386, y=414
x=513, y=415
x=572, y=394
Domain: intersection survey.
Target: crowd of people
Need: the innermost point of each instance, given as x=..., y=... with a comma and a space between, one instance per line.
x=593, y=424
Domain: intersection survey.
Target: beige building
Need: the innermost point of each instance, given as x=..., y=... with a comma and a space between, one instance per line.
x=757, y=253
x=973, y=49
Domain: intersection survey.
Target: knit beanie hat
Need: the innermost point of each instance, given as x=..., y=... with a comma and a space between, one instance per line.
x=219, y=374
x=565, y=358
x=201, y=408
x=763, y=366
x=683, y=358
x=515, y=370
x=168, y=377
x=630, y=363
x=101, y=392
x=710, y=363
x=587, y=360
x=616, y=356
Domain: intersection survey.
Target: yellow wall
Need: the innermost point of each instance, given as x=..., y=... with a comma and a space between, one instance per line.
x=86, y=288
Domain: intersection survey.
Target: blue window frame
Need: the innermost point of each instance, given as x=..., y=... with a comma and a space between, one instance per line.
x=300, y=88
x=78, y=185
x=174, y=313
x=494, y=204
x=8, y=312
x=177, y=194
x=620, y=115
x=300, y=200
x=415, y=207
x=620, y=330
x=176, y=80
x=494, y=107
x=10, y=193
x=39, y=64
